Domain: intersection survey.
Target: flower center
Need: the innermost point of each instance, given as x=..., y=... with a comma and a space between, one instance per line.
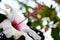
x=15, y=25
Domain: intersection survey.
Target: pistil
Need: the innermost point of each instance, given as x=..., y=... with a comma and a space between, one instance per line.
x=33, y=13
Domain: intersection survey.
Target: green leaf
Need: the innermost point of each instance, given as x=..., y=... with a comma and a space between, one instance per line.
x=55, y=34
x=34, y=24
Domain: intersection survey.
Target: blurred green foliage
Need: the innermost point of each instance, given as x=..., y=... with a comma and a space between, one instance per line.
x=55, y=34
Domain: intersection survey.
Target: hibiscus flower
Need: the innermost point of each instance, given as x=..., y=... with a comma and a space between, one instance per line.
x=14, y=26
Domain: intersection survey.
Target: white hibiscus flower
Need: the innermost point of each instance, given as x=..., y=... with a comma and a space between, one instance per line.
x=14, y=26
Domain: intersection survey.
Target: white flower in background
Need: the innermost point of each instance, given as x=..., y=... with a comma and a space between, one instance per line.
x=46, y=21
x=48, y=34
x=51, y=24
x=11, y=26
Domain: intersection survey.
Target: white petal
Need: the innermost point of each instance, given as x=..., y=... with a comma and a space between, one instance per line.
x=33, y=34
x=12, y=3
x=24, y=26
x=26, y=36
x=17, y=34
x=6, y=24
x=9, y=31
x=6, y=27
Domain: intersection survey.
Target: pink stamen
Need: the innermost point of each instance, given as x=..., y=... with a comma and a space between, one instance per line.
x=33, y=13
